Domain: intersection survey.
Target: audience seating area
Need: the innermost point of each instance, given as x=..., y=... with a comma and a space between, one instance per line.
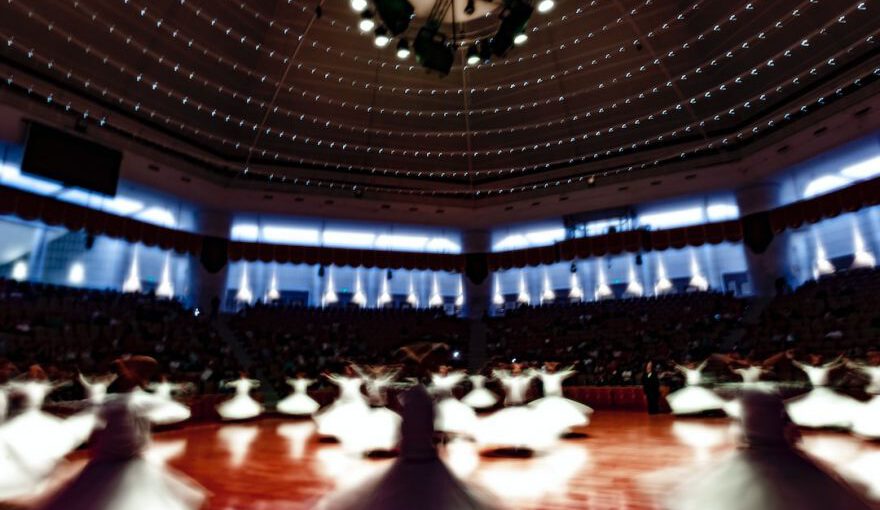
x=610, y=341
x=287, y=340
x=70, y=330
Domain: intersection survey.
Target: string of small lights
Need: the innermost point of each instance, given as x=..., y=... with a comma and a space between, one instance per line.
x=483, y=152
x=776, y=122
x=870, y=40
x=243, y=122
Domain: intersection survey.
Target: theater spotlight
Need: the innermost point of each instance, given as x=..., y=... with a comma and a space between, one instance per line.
x=367, y=24
x=432, y=49
x=514, y=17
x=395, y=14
x=473, y=55
x=358, y=5
x=382, y=38
x=546, y=6
x=403, y=49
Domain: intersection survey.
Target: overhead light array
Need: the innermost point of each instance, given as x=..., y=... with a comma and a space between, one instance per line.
x=434, y=49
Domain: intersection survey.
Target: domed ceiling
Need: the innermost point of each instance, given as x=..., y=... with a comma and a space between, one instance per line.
x=294, y=93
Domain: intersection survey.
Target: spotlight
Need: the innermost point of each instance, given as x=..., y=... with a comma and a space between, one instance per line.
x=367, y=24
x=514, y=17
x=382, y=38
x=403, y=49
x=546, y=6
x=395, y=14
x=358, y=5
x=469, y=8
x=433, y=50
x=520, y=39
x=473, y=55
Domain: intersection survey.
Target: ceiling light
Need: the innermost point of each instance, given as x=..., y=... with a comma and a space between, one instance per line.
x=358, y=5
x=473, y=55
x=382, y=38
x=403, y=49
x=520, y=39
x=367, y=24
x=546, y=6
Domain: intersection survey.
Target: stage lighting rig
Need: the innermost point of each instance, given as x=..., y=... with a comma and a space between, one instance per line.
x=434, y=48
x=396, y=15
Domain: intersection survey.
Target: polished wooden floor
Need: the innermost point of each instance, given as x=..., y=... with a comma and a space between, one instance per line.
x=627, y=461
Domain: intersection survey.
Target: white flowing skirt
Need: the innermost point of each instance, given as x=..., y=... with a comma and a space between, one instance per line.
x=516, y=427
x=135, y=484
x=298, y=404
x=170, y=412
x=480, y=398
x=31, y=446
x=867, y=419
x=337, y=419
x=239, y=407
x=780, y=479
x=376, y=431
x=823, y=407
x=408, y=485
x=562, y=412
x=454, y=417
x=694, y=400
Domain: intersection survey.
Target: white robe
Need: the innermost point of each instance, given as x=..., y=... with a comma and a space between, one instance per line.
x=821, y=407
x=168, y=411
x=241, y=406
x=516, y=426
x=452, y=416
x=554, y=408
x=866, y=422
x=119, y=475
x=694, y=399
x=298, y=403
x=479, y=397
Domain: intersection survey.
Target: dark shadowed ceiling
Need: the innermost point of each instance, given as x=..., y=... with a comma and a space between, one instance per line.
x=266, y=90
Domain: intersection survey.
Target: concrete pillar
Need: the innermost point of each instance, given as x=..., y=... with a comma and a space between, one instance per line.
x=768, y=269
x=478, y=298
x=208, y=286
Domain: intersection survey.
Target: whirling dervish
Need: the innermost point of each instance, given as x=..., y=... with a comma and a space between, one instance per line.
x=866, y=422
x=340, y=417
x=83, y=423
x=418, y=478
x=33, y=442
x=452, y=416
x=768, y=472
x=299, y=403
x=821, y=407
x=170, y=411
x=479, y=397
x=554, y=408
x=119, y=476
x=242, y=406
x=380, y=428
x=751, y=372
x=517, y=426
x=693, y=398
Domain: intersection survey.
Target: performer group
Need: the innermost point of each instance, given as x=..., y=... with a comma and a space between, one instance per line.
x=531, y=414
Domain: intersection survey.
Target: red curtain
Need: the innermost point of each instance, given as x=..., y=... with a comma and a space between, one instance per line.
x=30, y=206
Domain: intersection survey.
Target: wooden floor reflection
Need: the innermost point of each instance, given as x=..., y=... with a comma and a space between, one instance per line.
x=275, y=464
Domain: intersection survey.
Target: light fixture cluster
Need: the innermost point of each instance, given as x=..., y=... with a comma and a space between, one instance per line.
x=434, y=49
